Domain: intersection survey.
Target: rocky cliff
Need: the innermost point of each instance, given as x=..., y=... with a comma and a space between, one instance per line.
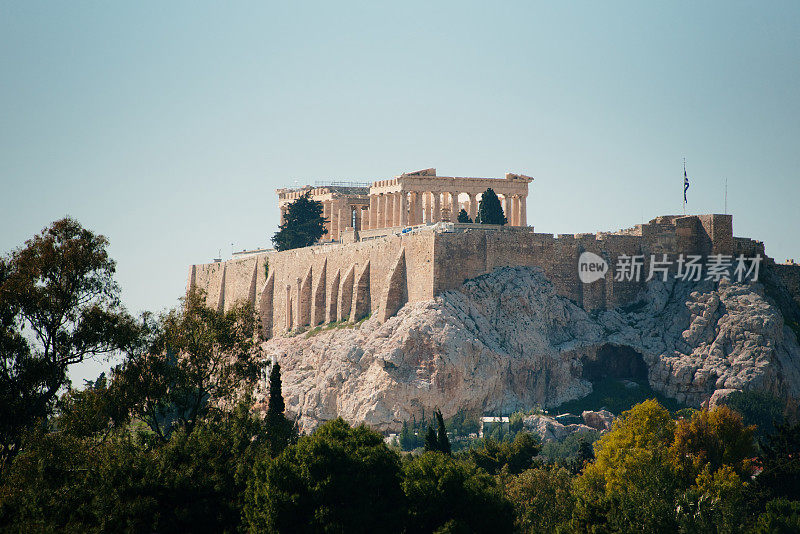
x=506, y=341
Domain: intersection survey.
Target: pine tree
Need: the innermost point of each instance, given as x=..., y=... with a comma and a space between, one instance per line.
x=489, y=210
x=443, y=440
x=463, y=216
x=303, y=225
x=431, y=440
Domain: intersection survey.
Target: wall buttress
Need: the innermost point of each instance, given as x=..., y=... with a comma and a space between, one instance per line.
x=361, y=296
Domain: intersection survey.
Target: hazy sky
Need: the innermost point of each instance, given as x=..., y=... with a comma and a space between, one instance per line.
x=167, y=126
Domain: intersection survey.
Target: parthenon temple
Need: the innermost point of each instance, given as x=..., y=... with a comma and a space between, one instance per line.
x=357, y=211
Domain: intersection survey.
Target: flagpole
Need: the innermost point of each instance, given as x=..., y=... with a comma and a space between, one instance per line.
x=726, y=196
x=684, y=186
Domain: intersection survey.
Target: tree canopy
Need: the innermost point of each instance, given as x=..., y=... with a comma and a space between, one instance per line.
x=339, y=479
x=59, y=304
x=453, y=495
x=303, y=224
x=195, y=358
x=463, y=216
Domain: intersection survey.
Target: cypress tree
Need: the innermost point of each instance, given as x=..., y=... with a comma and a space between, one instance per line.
x=280, y=431
x=489, y=210
x=463, y=216
x=443, y=440
x=431, y=440
x=276, y=404
x=406, y=438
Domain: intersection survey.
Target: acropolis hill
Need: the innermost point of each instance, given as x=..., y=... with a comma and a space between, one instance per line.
x=494, y=318
x=394, y=242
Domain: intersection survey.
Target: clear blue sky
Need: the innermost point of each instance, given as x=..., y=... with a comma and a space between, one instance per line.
x=167, y=126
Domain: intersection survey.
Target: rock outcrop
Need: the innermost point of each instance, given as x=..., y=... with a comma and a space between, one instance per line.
x=548, y=429
x=506, y=341
x=601, y=420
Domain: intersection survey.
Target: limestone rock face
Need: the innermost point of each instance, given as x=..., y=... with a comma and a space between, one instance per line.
x=506, y=341
x=600, y=420
x=548, y=429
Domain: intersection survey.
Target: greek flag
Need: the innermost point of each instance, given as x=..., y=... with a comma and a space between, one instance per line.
x=685, y=183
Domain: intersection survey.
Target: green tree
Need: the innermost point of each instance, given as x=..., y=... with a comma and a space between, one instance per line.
x=76, y=481
x=489, y=210
x=195, y=363
x=449, y=495
x=631, y=485
x=757, y=408
x=463, y=216
x=94, y=412
x=573, y=452
x=408, y=441
x=280, y=430
x=303, y=225
x=441, y=434
x=339, y=479
x=542, y=498
x=715, y=438
x=714, y=503
x=431, y=440
x=59, y=289
x=516, y=456
x=781, y=517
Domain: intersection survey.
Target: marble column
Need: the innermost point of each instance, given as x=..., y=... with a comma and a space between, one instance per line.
x=326, y=213
x=339, y=226
x=437, y=207
x=371, y=214
x=523, y=210
x=473, y=206
x=403, y=209
x=454, y=207
x=288, y=307
x=514, y=210
x=334, y=224
x=417, y=207
x=298, y=306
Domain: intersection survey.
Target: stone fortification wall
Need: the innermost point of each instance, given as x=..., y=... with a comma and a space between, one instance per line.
x=473, y=252
x=226, y=283
x=790, y=276
x=469, y=254
x=322, y=284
